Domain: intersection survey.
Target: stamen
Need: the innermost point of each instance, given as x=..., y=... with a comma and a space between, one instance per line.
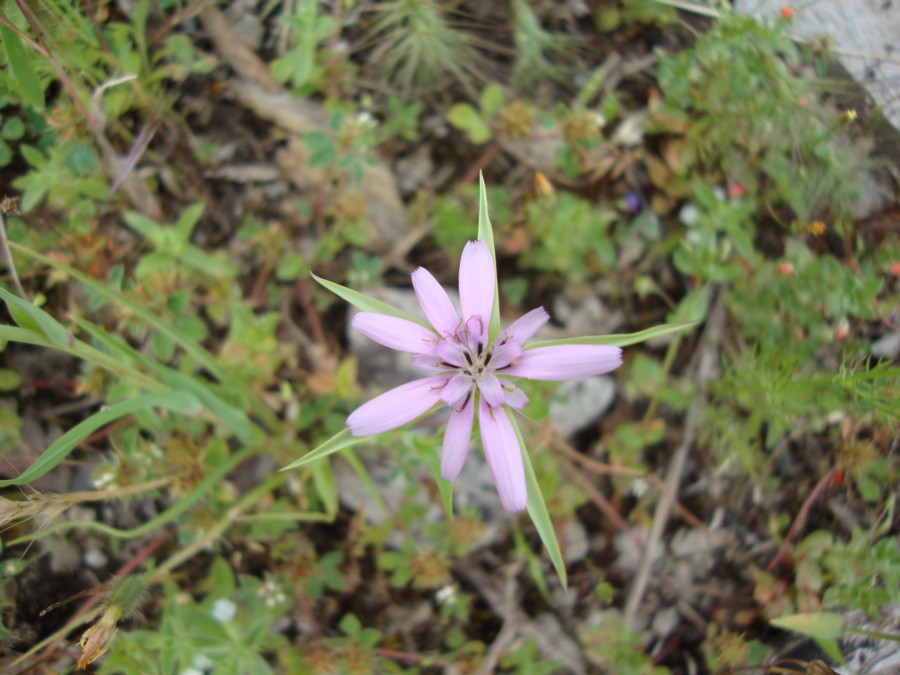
x=468, y=358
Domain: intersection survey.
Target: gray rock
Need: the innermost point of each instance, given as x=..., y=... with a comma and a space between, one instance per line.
x=887, y=346
x=865, y=34
x=580, y=403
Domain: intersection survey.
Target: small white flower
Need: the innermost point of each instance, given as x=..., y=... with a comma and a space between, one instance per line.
x=445, y=595
x=224, y=610
x=689, y=215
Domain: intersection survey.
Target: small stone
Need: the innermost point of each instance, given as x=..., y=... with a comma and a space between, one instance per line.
x=887, y=346
x=95, y=559
x=580, y=403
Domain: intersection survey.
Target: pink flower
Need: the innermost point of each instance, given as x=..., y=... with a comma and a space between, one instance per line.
x=469, y=371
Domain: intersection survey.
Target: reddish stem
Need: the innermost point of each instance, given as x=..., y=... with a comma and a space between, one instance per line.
x=800, y=520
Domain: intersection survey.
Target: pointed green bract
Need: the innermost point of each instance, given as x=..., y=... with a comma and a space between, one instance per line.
x=486, y=234
x=537, y=509
x=365, y=303
x=622, y=340
x=339, y=441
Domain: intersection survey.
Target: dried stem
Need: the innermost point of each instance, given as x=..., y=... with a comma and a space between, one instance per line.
x=705, y=368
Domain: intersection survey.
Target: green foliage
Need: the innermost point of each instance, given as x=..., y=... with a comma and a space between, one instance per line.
x=862, y=572
x=298, y=65
x=735, y=100
x=612, y=644
x=417, y=47
x=571, y=236
x=229, y=630
x=540, y=54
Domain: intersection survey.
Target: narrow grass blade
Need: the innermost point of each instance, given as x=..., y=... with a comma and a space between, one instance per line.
x=537, y=509
x=359, y=468
x=365, y=303
x=190, y=346
x=234, y=418
x=180, y=402
x=28, y=316
x=84, y=352
x=621, y=340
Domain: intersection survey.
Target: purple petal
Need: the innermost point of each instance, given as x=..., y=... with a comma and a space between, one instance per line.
x=429, y=362
x=451, y=351
x=490, y=389
x=396, y=407
x=566, y=362
x=504, y=353
x=396, y=333
x=476, y=286
x=525, y=327
x=456, y=441
x=435, y=302
x=515, y=397
x=457, y=388
x=504, y=457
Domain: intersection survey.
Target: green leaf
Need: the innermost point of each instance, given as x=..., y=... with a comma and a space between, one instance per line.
x=620, y=340
x=9, y=380
x=323, y=479
x=188, y=220
x=28, y=316
x=179, y=401
x=22, y=69
x=819, y=625
x=359, y=468
x=339, y=441
x=486, y=234
x=824, y=627
x=465, y=118
x=492, y=101
x=13, y=129
x=693, y=306
x=365, y=303
x=537, y=509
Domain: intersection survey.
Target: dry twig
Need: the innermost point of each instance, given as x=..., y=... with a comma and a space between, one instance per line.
x=705, y=369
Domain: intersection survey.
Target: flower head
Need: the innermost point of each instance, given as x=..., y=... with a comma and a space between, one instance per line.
x=469, y=371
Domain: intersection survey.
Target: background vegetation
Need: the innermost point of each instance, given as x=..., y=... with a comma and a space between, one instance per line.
x=173, y=171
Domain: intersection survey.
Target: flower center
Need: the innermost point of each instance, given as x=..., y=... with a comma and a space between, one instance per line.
x=477, y=362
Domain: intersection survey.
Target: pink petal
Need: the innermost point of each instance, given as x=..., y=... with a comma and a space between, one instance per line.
x=504, y=456
x=396, y=407
x=457, y=388
x=525, y=327
x=429, y=362
x=565, y=362
x=456, y=441
x=504, y=354
x=396, y=333
x=476, y=286
x=515, y=397
x=490, y=389
x=435, y=302
x=451, y=351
